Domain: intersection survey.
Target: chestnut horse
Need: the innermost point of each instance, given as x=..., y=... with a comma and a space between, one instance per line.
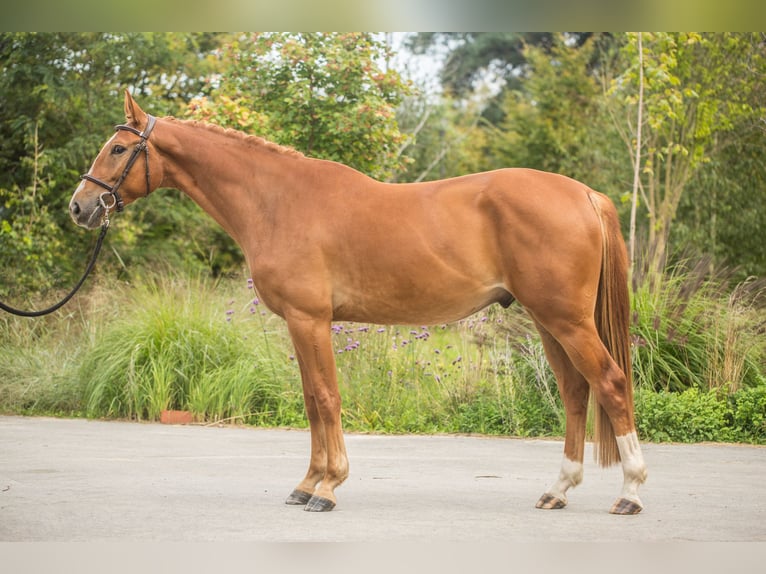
x=326, y=243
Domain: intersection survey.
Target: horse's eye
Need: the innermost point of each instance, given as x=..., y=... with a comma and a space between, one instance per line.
x=118, y=149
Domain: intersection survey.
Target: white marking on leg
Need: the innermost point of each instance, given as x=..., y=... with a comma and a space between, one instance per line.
x=633, y=467
x=570, y=475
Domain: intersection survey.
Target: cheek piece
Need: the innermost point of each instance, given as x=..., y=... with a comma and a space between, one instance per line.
x=141, y=146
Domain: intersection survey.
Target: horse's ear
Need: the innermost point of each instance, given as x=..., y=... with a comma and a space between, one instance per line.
x=134, y=115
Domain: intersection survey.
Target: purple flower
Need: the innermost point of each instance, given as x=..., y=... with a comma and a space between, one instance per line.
x=249, y=283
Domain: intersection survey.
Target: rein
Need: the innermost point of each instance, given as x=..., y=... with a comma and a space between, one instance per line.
x=52, y=308
x=117, y=203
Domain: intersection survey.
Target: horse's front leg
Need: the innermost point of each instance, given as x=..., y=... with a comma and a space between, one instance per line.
x=318, y=462
x=328, y=467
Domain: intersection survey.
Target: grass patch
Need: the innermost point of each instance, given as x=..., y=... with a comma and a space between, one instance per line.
x=180, y=349
x=175, y=342
x=692, y=331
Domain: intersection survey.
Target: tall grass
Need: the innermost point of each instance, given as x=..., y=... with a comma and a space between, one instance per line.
x=178, y=348
x=691, y=330
x=473, y=376
x=174, y=342
x=38, y=366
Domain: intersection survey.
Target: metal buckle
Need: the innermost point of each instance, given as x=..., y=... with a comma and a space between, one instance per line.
x=105, y=220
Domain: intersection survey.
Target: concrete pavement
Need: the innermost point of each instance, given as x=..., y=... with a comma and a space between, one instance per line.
x=78, y=480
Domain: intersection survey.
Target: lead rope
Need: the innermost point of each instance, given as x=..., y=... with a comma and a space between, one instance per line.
x=111, y=189
x=88, y=269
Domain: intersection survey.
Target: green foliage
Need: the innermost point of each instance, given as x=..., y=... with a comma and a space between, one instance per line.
x=174, y=342
x=561, y=103
x=700, y=93
x=690, y=416
x=180, y=353
x=697, y=416
x=724, y=213
x=747, y=411
x=473, y=376
x=61, y=97
x=698, y=344
x=444, y=138
x=549, y=117
x=324, y=94
x=689, y=332
x=39, y=362
x=471, y=56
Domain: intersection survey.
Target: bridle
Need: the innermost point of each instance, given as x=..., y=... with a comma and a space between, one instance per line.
x=117, y=203
x=113, y=190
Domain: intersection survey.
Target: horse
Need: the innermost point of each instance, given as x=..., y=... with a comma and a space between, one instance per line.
x=326, y=243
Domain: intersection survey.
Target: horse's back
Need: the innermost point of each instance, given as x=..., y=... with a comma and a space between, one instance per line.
x=442, y=250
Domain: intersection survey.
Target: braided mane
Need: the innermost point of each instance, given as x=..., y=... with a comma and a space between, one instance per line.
x=232, y=133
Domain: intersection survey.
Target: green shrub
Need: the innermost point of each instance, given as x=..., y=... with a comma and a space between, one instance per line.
x=696, y=416
x=748, y=414
x=181, y=352
x=689, y=416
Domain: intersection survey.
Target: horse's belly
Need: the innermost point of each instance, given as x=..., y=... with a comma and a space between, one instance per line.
x=426, y=307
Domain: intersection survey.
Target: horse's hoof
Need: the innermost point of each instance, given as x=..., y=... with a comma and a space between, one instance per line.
x=550, y=502
x=298, y=498
x=319, y=504
x=625, y=507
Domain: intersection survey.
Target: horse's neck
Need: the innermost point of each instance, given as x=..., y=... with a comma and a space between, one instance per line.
x=216, y=171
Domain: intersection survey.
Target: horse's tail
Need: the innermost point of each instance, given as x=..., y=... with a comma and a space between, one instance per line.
x=613, y=322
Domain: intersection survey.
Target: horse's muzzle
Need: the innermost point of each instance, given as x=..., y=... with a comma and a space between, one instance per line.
x=89, y=216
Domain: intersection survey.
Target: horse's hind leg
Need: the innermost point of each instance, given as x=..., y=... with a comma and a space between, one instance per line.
x=574, y=392
x=583, y=346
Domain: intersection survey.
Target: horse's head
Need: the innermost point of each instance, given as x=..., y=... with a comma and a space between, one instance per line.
x=123, y=171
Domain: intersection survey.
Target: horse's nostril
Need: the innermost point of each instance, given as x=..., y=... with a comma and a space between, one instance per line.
x=76, y=208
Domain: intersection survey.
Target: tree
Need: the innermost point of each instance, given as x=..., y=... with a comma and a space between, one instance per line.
x=701, y=91
x=555, y=120
x=499, y=58
x=444, y=138
x=724, y=214
x=61, y=95
x=323, y=94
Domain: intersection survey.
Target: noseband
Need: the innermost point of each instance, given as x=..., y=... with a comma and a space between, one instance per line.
x=141, y=146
